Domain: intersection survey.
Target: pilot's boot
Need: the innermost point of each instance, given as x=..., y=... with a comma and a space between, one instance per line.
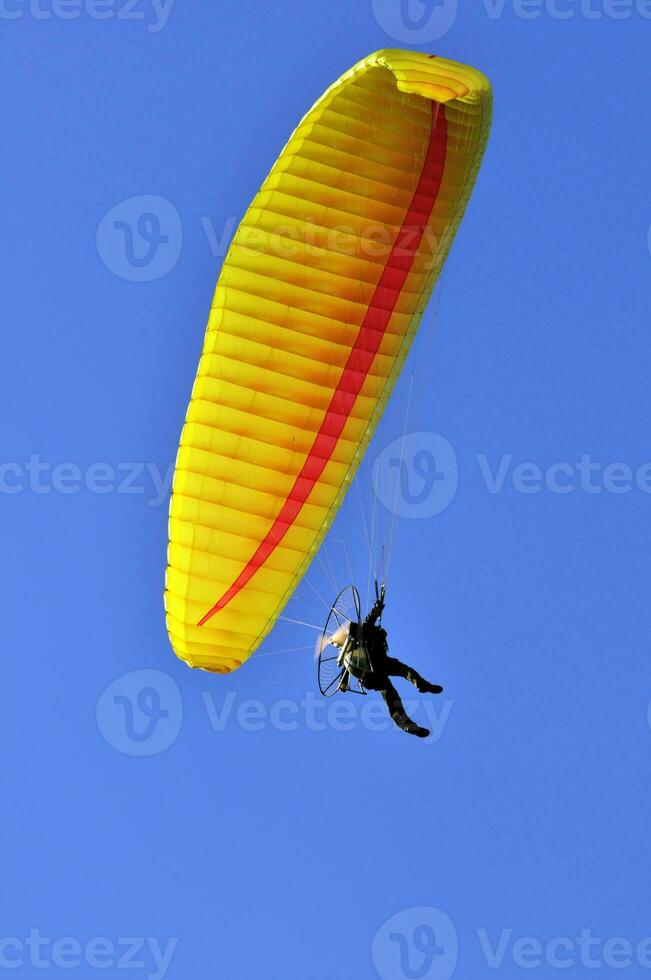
x=426, y=688
x=421, y=685
x=413, y=729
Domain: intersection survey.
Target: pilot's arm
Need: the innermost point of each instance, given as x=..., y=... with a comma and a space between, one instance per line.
x=375, y=612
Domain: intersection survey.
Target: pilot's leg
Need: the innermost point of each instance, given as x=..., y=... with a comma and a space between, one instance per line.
x=398, y=713
x=395, y=668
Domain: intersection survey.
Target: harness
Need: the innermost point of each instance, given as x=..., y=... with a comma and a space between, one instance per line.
x=355, y=655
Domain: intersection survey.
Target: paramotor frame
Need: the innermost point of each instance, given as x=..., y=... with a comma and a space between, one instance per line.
x=336, y=640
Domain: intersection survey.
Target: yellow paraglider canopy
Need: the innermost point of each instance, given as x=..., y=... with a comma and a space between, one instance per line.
x=318, y=300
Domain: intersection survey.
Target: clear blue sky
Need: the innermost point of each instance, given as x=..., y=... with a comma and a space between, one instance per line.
x=241, y=837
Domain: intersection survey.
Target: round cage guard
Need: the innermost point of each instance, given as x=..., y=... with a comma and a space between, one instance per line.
x=340, y=648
